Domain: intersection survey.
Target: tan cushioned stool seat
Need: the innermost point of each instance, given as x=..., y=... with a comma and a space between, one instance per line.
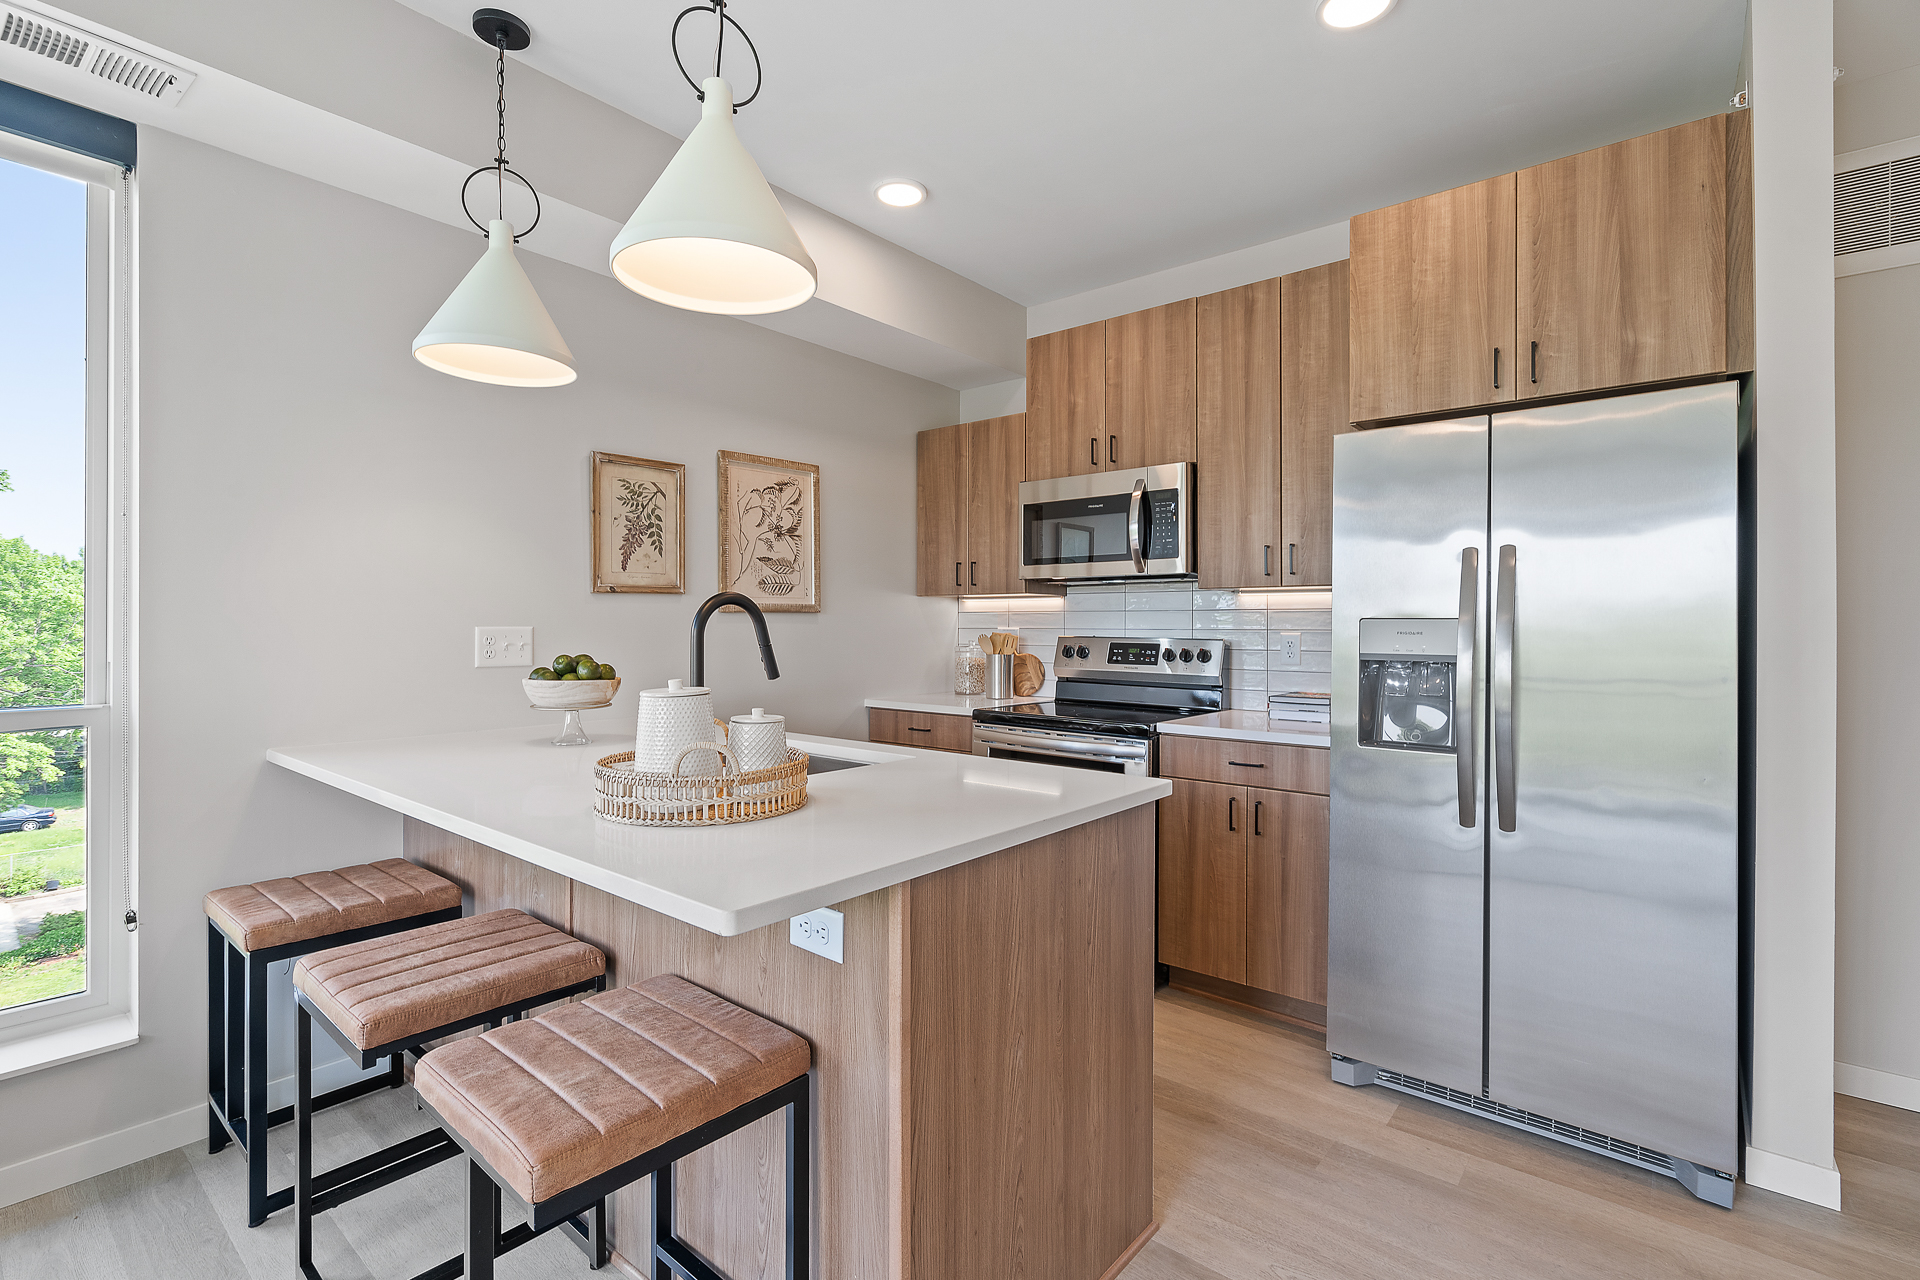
x=405, y=984
x=276, y=912
x=564, y=1097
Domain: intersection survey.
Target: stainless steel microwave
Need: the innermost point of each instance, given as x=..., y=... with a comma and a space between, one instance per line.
x=1112, y=524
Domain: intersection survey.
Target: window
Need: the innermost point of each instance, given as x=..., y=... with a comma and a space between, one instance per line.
x=66, y=944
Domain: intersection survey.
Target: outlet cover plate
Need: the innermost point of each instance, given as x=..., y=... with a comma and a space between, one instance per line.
x=818, y=932
x=1286, y=650
x=503, y=647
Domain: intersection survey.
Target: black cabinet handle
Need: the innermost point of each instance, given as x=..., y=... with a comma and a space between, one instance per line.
x=956, y=573
x=1291, y=571
x=1496, y=368
x=911, y=729
x=1093, y=451
x=1533, y=362
x=1256, y=817
x=1231, y=801
x=1242, y=764
x=1266, y=562
x=1113, y=450
x=973, y=573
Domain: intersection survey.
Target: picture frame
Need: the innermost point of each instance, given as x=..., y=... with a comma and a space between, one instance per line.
x=770, y=531
x=639, y=514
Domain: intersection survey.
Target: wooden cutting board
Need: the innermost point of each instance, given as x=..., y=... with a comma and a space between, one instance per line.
x=1029, y=673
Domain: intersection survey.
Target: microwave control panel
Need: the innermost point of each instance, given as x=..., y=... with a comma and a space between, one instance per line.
x=1163, y=524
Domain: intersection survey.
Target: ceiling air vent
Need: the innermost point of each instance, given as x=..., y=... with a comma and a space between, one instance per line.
x=1877, y=207
x=88, y=54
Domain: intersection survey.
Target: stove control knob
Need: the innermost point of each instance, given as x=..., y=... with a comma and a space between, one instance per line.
x=1081, y=652
x=1186, y=655
x=1206, y=655
x=1167, y=656
x=1066, y=651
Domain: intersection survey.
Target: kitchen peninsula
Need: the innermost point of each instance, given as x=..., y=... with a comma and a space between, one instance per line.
x=983, y=1056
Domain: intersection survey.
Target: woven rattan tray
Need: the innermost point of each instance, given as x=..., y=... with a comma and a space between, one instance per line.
x=706, y=800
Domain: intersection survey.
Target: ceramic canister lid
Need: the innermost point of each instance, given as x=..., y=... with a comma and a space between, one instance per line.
x=759, y=716
x=676, y=689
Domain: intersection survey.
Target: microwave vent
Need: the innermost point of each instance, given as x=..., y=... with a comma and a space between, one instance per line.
x=85, y=53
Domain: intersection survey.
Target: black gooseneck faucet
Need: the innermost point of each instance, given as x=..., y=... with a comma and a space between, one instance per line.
x=697, y=660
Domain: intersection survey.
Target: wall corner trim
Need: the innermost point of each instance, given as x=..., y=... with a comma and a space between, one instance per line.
x=49, y=1171
x=1876, y=1086
x=1796, y=1178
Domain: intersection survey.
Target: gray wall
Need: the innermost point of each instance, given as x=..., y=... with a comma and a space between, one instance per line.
x=322, y=522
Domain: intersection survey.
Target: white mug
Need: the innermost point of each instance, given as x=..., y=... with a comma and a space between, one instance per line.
x=758, y=741
x=671, y=720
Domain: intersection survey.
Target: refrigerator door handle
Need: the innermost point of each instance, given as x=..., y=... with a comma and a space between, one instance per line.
x=1134, y=536
x=1464, y=672
x=1503, y=746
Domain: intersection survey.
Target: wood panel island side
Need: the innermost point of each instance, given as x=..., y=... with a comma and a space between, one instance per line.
x=983, y=1057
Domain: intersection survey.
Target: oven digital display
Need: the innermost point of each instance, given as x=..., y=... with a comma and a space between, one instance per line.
x=1134, y=655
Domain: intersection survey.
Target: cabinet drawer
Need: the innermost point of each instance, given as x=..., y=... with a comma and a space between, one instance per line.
x=1247, y=764
x=917, y=729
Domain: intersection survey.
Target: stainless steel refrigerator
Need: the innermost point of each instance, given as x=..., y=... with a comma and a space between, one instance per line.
x=1535, y=882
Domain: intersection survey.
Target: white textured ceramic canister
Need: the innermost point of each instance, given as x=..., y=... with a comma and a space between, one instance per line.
x=758, y=741
x=671, y=720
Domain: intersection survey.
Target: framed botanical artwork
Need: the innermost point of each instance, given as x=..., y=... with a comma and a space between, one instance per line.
x=770, y=532
x=639, y=524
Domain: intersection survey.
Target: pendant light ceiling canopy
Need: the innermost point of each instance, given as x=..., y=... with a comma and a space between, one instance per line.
x=711, y=236
x=493, y=326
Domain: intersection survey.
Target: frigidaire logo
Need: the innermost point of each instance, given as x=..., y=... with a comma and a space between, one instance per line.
x=1410, y=633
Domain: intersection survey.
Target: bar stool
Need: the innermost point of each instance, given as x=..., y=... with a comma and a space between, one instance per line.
x=567, y=1108
x=249, y=927
x=386, y=997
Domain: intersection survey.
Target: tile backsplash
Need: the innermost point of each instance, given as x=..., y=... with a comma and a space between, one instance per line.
x=1253, y=623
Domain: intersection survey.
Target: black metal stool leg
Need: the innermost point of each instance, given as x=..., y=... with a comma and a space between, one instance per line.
x=217, y=1138
x=256, y=1131
x=799, y=1184
x=662, y=1220
x=483, y=1221
x=236, y=1006
x=303, y=1145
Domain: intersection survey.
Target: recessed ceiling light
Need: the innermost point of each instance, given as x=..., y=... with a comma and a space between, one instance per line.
x=1344, y=15
x=900, y=193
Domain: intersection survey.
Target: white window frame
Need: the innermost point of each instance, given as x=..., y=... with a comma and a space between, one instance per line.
x=104, y=1016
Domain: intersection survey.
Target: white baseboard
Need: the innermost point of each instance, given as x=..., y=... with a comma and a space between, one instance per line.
x=1876, y=1086
x=37, y=1175
x=1796, y=1178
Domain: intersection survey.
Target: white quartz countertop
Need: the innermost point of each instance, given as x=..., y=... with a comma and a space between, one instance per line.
x=945, y=704
x=906, y=814
x=1248, y=726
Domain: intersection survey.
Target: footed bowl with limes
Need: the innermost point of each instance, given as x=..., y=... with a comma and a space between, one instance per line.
x=571, y=683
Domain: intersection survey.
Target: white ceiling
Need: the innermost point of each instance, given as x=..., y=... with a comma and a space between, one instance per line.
x=1871, y=37
x=1071, y=145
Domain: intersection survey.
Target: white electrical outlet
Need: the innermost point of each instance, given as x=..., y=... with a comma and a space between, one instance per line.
x=503, y=647
x=1287, y=652
x=818, y=932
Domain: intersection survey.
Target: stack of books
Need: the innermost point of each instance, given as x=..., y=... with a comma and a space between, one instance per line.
x=1315, y=708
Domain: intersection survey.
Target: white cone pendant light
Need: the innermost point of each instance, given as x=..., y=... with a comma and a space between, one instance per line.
x=493, y=326
x=711, y=236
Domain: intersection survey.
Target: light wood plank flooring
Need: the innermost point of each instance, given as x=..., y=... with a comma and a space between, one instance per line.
x=1264, y=1169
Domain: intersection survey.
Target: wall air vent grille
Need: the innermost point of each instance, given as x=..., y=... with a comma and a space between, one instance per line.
x=88, y=54
x=1877, y=207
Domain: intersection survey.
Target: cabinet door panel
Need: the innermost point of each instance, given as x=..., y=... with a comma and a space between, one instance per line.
x=1313, y=410
x=1066, y=402
x=1237, y=506
x=996, y=459
x=1432, y=301
x=942, y=511
x=1203, y=880
x=1287, y=894
x=1150, y=387
x=1622, y=274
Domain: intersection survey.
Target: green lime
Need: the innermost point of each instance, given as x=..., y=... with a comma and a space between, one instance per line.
x=569, y=676
x=543, y=673
x=586, y=669
x=606, y=672
x=583, y=660
x=562, y=664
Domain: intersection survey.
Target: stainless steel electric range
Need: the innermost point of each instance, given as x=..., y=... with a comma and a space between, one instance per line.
x=1109, y=694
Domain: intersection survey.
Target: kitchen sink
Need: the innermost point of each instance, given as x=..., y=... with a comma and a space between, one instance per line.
x=829, y=764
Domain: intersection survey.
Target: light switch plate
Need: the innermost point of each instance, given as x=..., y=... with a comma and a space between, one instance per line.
x=818, y=932
x=503, y=647
x=1286, y=650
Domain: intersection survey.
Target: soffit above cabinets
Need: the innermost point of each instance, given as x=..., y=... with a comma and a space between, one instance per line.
x=1065, y=147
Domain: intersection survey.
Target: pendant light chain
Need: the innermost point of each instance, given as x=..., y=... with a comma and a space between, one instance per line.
x=718, y=8
x=500, y=142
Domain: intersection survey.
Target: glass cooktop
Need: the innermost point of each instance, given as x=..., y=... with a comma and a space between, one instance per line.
x=1084, y=717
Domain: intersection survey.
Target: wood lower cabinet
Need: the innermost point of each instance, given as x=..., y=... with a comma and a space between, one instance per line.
x=1287, y=895
x=1314, y=393
x=918, y=729
x=969, y=507
x=1150, y=387
x=1203, y=880
x=1432, y=319
x=1067, y=402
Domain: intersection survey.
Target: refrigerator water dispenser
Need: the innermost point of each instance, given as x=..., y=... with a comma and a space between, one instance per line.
x=1406, y=683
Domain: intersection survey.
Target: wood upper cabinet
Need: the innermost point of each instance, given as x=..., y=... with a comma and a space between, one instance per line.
x=968, y=507
x=1287, y=894
x=1067, y=402
x=1622, y=266
x=1237, y=481
x=1432, y=291
x=1203, y=879
x=1150, y=387
x=1313, y=410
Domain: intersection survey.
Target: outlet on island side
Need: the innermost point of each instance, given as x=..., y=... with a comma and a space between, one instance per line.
x=1286, y=650
x=503, y=647
x=818, y=932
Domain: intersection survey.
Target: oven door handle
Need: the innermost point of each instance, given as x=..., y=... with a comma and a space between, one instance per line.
x=1134, y=535
x=1065, y=746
